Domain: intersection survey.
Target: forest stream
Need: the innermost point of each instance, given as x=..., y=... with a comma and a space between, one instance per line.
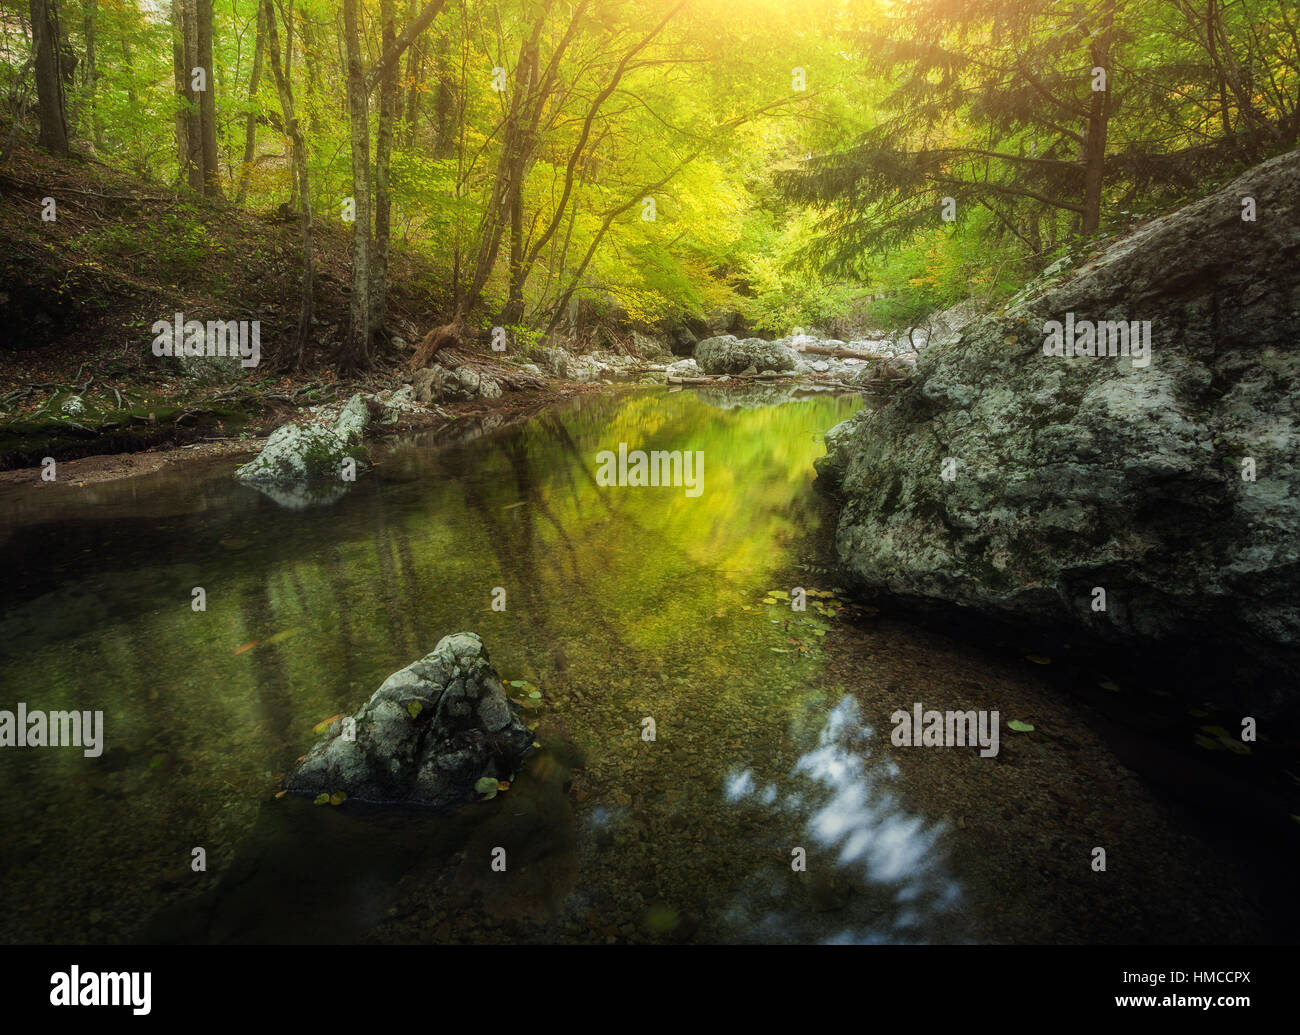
x=771, y=726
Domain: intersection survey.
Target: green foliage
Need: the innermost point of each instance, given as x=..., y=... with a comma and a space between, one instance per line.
x=798, y=156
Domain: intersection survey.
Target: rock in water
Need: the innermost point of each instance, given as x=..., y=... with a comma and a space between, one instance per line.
x=1017, y=483
x=831, y=467
x=727, y=354
x=301, y=453
x=296, y=452
x=427, y=735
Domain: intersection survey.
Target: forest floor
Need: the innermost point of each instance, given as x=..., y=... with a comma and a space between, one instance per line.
x=79, y=294
x=97, y=467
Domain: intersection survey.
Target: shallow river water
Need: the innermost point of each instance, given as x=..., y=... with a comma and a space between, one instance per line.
x=770, y=806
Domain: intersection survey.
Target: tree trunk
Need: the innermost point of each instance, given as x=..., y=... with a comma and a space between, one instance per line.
x=193, y=125
x=1094, y=141
x=182, y=80
x=414, y=73
x=250, y=128
x=91, y=11
x=383, y=198
x=285, y=90
x=516, y=169
x=356, y=343
x=838, y=353
x=312, y=61
x=208, y=102
x=49, y=78
x=356, y=353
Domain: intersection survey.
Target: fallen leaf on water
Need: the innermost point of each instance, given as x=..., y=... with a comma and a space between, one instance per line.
x=660, y=919
x=281, y=794
x=325, y=724
x=280, y=637
x=1038, y=659
x=1021, y=727
x=322, y=799
x=1222, y=738
x=338, y=798
x=503, y=785
x=248, y=646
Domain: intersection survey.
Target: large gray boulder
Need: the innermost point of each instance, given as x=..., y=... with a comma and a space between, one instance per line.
x=311, y=452
x=301, y=452
x=831, y=467
x=727, y=354
x=428, y=734
x=1070, y=474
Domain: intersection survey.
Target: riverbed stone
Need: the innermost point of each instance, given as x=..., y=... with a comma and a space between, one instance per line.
x=1013, y=483
x=727, y=354
x=298, y=452
x=464, y=728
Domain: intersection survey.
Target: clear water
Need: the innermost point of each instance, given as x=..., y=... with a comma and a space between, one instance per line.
x=622, y=604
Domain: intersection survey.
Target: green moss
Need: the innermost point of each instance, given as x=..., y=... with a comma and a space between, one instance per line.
x=27, y=440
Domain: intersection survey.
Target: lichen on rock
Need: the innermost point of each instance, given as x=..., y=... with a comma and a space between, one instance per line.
x=428, y=734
